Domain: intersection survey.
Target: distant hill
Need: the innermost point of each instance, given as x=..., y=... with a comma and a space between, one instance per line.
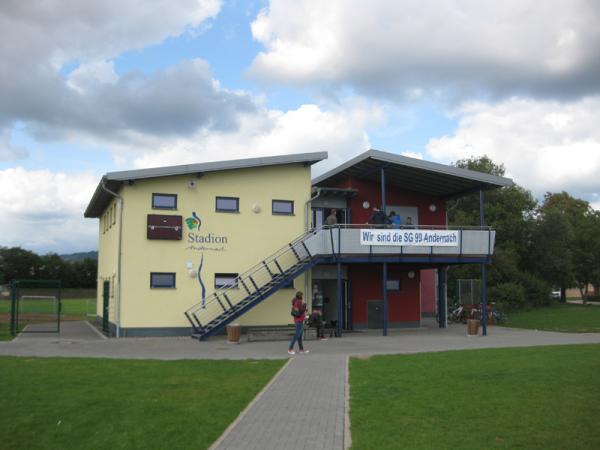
x=79, y=256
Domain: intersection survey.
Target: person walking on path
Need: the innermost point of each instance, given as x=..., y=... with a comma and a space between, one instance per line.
x=299, y=314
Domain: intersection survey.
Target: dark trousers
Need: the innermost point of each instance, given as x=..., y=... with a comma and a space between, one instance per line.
x=298, y=336
x=320, y=331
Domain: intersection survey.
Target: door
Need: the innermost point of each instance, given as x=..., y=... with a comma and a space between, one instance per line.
x=375, y=314
x=105, y=303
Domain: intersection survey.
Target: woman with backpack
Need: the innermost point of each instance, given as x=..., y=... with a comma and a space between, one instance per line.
x=299, y=314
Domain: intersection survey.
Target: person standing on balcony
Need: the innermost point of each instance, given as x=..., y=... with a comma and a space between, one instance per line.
x=299, y=314
x=331, y=218
x=395, y=220
x=378, y=218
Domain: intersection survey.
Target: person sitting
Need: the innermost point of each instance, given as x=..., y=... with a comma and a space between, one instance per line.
x=316, y=320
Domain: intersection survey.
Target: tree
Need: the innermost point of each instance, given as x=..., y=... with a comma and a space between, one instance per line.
x=564, y=234
x=16, y=263
x=586, y=253
x=510, y=211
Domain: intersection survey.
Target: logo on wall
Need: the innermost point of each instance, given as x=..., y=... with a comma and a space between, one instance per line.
x=202, y=287
x=203, y=242
x=193, y=222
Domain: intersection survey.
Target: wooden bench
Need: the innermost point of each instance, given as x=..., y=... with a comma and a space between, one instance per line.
x=278, y=333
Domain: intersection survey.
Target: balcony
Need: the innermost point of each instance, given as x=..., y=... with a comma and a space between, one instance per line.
x=416, y=243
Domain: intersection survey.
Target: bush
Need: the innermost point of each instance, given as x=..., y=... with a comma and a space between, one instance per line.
x=537, y=291
x=508, y=296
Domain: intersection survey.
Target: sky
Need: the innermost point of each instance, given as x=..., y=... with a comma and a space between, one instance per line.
x=92, y=87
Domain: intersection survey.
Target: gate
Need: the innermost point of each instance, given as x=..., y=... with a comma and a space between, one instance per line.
x=35, y=306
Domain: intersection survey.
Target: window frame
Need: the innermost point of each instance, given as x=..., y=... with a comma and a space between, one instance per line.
x=275, y=213
x=392, y=289
x=232, y=211
x=174, y=286
x=232, y=285
x=156, y=194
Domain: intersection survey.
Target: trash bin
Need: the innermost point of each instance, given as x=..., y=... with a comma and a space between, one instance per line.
x=472, y=327
x=233, y=333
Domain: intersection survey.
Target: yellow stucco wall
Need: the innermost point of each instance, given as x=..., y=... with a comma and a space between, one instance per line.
x=251, y=237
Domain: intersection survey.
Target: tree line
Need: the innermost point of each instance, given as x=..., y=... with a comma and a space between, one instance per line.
x=540, y=246
x=17, y=263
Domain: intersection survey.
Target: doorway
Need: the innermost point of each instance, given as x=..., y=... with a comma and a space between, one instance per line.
x=105, y=305
x=320, y=214
x=329, y=291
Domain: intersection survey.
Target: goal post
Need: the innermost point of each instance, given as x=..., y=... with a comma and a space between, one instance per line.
x=35, y=306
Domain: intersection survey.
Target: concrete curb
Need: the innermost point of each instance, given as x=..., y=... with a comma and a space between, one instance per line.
x=247, y=408
x=96, y=330
x=347, y=433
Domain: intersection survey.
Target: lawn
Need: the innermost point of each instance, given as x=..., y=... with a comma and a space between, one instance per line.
x=60, y=403
x=526, y=398
x=558, y=317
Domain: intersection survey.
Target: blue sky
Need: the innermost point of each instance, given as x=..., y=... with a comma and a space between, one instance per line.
x=93, y=88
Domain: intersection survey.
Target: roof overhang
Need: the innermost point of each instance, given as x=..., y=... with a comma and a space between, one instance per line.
x=113, y=181
x=412, y=174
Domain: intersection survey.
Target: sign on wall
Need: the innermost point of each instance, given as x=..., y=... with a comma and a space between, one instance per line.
x=409, y=237
x=203, y=241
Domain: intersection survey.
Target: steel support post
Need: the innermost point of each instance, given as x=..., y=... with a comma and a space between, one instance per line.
x=385, y=299
x=442, y=297
x=483, y=274
x=339, y=299
x=383, y=199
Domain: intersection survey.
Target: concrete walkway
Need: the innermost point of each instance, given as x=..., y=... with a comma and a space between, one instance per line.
x=302, y=409
x=426, y=339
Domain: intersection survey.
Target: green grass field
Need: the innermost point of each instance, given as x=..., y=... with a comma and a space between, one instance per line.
x=527, y=398
x=558, y=317
x=59, y=403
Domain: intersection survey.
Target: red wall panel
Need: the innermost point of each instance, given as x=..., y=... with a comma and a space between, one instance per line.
x=367, y=284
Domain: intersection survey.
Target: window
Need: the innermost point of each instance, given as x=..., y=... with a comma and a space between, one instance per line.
x=228, y=204
x=226, y=280
x=393, y=285
x=164, y=201
x=285, y=207
x=162, y=280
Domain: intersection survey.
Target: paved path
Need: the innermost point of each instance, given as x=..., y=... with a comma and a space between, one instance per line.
x=302, y=409
x=426, y=339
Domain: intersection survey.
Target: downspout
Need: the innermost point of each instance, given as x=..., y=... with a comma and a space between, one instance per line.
x=118, y=293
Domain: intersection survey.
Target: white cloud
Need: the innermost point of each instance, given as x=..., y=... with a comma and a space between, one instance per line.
x=43, y=211
x=338, y=130
x=403, y=48
x=544, y=145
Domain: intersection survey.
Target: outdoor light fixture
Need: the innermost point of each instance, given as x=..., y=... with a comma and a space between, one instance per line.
x=256, y=208
x=411, y=274
x=432, y=207
x=366, y=205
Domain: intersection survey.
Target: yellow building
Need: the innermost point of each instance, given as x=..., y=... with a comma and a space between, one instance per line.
x=170, y=236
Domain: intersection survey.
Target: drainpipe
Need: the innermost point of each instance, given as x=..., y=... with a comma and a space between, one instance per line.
x=307, y=209
x=118, y=290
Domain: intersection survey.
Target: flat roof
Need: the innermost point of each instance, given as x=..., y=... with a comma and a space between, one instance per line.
x=412, y=174
x=114, y=180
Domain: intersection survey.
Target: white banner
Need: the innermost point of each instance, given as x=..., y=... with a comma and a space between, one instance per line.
x=412, y=237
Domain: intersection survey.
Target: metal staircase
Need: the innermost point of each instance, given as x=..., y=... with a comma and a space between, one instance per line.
x=254, y=286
